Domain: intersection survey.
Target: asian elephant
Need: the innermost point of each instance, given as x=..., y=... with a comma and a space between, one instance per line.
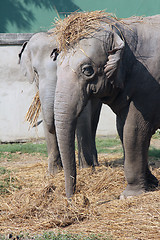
x=118, y=63
x=40, y=65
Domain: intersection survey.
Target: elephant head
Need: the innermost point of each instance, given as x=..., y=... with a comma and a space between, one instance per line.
x=90, y=68
x=35, y=54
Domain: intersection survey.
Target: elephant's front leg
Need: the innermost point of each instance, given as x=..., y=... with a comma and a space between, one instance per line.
x=83, y=133
x=86, y=144
x=54, y=160
x=96, y=109
x=136, y=140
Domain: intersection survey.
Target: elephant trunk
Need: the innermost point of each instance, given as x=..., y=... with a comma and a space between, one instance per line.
x=65, y=124
x=47, y=94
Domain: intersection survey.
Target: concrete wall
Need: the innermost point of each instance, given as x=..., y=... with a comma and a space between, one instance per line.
x=16, y=95
x=107, y=122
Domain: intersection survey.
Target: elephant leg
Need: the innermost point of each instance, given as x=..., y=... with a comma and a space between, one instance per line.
x=152, y=181
x=136, y=140
x=120, y=126
x=54, y=160
x=96, y=109
x=84, y=138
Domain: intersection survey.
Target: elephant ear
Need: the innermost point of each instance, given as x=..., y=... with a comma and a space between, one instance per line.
x=26, y=63
x=113, y=68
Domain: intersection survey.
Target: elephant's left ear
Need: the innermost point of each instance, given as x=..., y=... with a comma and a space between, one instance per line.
x=113, y=65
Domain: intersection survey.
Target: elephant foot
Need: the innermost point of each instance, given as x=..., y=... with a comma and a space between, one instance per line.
x=87, y=162
x=131, y=191
x=95, y=161
x=152, y=181
x=84, y=165
x=96, y=164
x=84, y=162
x=54, y=166
x=54, y=170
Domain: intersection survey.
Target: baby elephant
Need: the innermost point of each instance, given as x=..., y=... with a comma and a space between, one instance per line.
x=38, y=62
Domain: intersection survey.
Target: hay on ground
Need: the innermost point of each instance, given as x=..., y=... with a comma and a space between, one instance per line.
x=40, y=204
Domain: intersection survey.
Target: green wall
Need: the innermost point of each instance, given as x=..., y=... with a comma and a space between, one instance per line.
x=20, y=16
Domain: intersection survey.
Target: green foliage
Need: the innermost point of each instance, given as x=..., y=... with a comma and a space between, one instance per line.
x=3, y=170
x=53, y=236
x=23, y=148
x=9, y=156
x=156, y=135
x=59, y=236
x=103, y=144
x=108, y=145
x=153, y=152
x=7, y=182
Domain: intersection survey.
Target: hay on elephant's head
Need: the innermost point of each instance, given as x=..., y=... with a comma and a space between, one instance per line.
x=78, y=25
x=34, y=110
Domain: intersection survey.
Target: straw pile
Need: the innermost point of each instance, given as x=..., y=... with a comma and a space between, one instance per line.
x=34, y=110
x=40, y=204
x=79, y=25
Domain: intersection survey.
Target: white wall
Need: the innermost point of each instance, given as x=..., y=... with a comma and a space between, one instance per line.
x=16, y=95
x=107, y=122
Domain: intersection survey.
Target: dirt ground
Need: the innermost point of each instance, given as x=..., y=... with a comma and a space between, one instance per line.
x=36, y=202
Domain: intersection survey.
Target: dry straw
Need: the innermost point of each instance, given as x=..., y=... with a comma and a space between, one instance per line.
x=78, y=25
x=34, y=110
x=39, y=203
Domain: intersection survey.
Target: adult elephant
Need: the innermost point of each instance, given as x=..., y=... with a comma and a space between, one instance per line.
x=40, y=65
x=117, y=62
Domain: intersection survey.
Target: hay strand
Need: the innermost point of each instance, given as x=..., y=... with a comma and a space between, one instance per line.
x=78, y=25
x=34, y=110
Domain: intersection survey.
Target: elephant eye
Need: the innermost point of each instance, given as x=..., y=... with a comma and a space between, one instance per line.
x=87, y=70
x=54, y=54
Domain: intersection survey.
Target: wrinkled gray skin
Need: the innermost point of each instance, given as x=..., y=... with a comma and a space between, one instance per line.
x=38, y=64
x=122, y=68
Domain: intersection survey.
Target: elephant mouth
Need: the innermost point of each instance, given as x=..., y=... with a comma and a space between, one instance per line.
x=106, y=100
x=111, y=96
x=105, y=90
